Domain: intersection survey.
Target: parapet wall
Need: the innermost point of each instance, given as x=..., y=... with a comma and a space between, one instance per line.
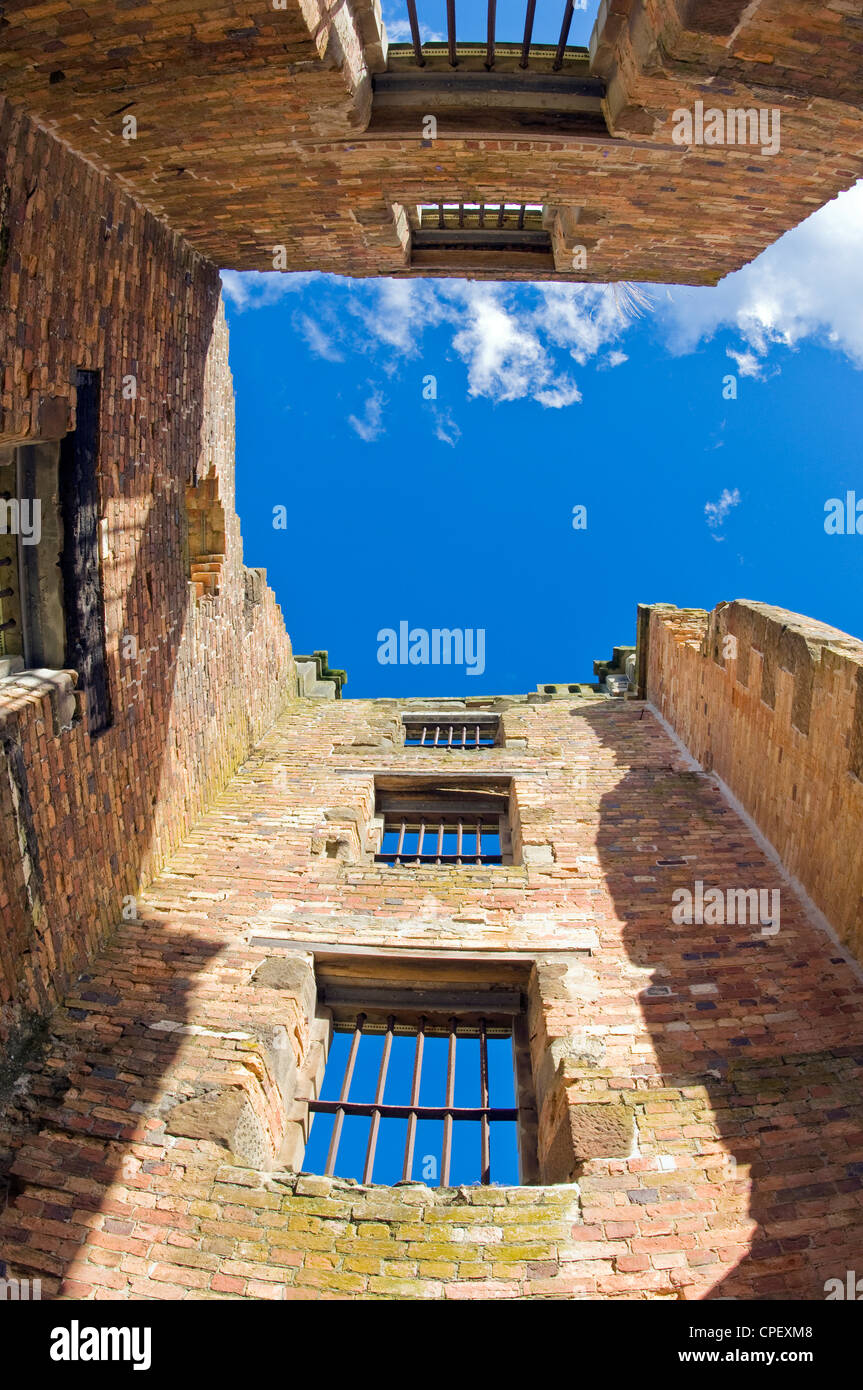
x=773, y=703
x=198, y=659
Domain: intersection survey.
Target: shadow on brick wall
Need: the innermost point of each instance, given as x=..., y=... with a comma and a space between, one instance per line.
x=89, y=1187
x=757, y=1034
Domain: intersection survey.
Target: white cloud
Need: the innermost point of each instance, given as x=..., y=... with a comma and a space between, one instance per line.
x=400, y=312
x=748, y=364
x=503, y=349
x=254, y=289
x=507, y=335
x=580, y=318
x=399, y=31
x=515, y=339
x=319, y=344
x=807, y=285
x=716, y=512
x=371, y=426
x=446, y=429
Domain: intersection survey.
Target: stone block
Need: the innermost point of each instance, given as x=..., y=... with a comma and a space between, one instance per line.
x=223, y=1117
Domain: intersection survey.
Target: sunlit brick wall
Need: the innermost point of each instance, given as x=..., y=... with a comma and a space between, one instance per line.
x=702, y=1080
x=773, y=703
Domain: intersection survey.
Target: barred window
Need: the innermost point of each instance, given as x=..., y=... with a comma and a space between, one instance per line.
x=427, y=823
x=482, y=231
x=443, y=732
x=430, y=1098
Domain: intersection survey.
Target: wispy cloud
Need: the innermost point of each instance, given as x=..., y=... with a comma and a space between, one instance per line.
x=807, y=285
x=716, y=512
x=398, y=26
x=505, y=359
x=508, y=336
x=522, y=341
x=319, y=343
x=371, y=425
x=399, y=31
x=748, y=363
x=255, y=289
x=446, y=429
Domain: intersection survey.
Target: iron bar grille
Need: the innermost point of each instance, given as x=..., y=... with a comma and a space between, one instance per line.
x=526, y=49
x=487, y=217
x=445, y=838
x=455, y=735
x=385, y=1117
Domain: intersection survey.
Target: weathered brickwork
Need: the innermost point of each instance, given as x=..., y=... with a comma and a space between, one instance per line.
x=180, y=885
x=259, y=129
x=730, y=1060
x=89, y=279
x=773, y=703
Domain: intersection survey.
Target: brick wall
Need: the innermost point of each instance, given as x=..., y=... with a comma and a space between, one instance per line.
x=278, y=115
x=89, y=279
x=732, y=1059
x=773, y=703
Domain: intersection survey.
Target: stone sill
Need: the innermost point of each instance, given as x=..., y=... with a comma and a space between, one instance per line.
x=20, y=689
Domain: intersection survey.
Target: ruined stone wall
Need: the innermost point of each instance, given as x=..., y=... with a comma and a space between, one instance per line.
x=198, y=669
x=773, y=703
x=698, y=1087
x=279, y=115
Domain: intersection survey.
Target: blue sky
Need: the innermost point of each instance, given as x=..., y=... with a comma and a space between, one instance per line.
x=457, y=512
x=389, y=1154
x=471, y=20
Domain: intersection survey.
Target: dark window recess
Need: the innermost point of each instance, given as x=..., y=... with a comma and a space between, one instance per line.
x=434, y=824
x=412, y=1059
x=80, y=560
x=32, y=623
x=471, y=731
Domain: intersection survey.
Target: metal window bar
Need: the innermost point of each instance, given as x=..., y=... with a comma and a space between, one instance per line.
x=564, y=35
x=451, y=736
x=343, y=1096
x=415, y=33
x=449, y=1112
x=480, y=216
x=432, y=827
x=489, y=59
x=491, y=34
x=379, y=1096
x=529, y=16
